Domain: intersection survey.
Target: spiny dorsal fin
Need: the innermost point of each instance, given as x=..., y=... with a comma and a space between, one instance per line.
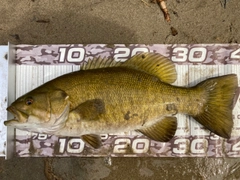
x=154, y=64
x=98, y=62
x=162, y=131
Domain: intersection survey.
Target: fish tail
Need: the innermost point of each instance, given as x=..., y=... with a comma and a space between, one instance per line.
x=216, y=114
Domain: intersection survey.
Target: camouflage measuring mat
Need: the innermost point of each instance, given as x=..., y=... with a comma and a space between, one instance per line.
x=37, y=64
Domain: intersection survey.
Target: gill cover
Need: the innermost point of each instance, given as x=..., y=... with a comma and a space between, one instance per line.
x=58, y=102
x=46, y=113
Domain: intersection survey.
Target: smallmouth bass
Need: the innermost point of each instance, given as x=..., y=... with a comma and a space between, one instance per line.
x=106, y=96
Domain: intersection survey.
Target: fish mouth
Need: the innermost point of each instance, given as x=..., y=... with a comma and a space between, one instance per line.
x=19, y=117
x=11, y=122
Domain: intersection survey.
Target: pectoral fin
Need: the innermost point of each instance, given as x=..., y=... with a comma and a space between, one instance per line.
x=162, y=131
x=89, y=110
x=93, y=140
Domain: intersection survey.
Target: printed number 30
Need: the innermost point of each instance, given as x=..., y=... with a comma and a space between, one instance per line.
x=182, y=54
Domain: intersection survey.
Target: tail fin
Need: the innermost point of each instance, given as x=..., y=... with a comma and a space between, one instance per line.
x=217, y=112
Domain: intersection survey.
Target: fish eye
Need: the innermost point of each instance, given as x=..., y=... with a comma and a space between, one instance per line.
x=29, y=101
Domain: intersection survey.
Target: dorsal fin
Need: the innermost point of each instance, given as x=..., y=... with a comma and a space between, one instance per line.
x=98, y=62
x=151, y=63
x=154, y=64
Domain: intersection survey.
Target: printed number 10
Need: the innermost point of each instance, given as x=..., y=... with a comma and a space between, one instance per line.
x=72, y=55
x=74, y=145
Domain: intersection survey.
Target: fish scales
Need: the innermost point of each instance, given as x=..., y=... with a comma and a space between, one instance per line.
x=123, y=91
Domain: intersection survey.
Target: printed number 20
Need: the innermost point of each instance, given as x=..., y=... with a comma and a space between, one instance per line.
x=137, y=145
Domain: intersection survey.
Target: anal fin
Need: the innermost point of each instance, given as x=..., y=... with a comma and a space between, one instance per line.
x=162, y=131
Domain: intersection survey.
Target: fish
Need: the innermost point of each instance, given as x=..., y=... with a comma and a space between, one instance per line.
x=106, y=96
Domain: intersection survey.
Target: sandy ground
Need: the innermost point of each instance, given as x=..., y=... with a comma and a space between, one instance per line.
x=129, y=21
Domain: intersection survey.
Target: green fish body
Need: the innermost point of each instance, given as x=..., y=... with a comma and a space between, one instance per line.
x=109, y=97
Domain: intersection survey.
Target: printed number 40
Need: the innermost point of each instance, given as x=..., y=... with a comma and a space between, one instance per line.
x=235, y=54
